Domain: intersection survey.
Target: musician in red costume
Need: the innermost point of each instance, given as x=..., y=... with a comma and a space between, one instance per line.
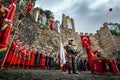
x=21, y=57
x=91, y=53
x=27, y=58
x=42, y=60
x=32, y=58
x=14, y=56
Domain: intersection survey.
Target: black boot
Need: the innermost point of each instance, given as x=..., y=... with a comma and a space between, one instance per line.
x=69, y=72
x=75, y=73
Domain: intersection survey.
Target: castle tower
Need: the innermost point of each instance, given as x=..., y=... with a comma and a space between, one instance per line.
x=73, y=25
x=109, y=42
x=63, y=21
x=68, y=22
x=57, y=26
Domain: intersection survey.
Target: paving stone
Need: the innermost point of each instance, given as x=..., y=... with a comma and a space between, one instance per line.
x=51, y=75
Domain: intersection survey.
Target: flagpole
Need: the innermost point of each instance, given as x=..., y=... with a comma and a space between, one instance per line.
x=62, y=48
x=60, y=53
x=9, y=46
x=21, y=16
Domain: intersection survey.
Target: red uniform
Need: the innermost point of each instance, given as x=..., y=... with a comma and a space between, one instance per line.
x=18, y=54
x=99, y=65
x=91, y=54
x=42, y=60
x=13, y=62
x=112, y=66
x=24, y=57
x=21, y=57
x=104, y=65
x=32, y=58
x=10, y=53
x=27, y=58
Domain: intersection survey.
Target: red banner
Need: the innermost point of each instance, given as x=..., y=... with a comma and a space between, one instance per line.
x=5, y=33
x=51, y=24
x=91, y=54
x=29, y=8
x=85, y=41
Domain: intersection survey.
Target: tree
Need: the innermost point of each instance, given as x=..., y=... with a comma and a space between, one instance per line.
x=49, y=14
x=41, y=11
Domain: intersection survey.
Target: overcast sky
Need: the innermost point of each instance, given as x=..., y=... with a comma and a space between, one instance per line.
x=88, y=15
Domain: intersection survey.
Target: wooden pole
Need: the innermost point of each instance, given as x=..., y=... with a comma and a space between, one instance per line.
x=21, y=16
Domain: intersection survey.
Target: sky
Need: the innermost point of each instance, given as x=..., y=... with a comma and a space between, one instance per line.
x=88, y=15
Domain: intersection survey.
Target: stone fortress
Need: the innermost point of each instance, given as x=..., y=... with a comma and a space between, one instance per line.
x=109, y=43
x=49, y=41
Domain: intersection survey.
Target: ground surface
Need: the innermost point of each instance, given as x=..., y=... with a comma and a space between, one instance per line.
x=51, y=75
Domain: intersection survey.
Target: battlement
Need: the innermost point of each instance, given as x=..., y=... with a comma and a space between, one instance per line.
x=117, y=24
x=68, y=22
x=87, y=34
x=64, y=24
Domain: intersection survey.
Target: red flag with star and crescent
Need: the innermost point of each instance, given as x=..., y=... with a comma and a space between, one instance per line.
x=85, y=41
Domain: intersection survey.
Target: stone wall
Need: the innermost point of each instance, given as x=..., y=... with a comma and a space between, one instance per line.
x=105, y=42
x=94, y=43
x=109, y=43
x=43, y=38
x=49, y=41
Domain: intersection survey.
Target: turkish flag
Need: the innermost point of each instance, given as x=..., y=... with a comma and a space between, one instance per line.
x=85, y=41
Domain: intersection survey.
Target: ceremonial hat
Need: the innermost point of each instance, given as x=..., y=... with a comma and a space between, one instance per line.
x=70, y=39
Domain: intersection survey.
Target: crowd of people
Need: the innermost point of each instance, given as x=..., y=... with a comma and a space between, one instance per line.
x=22, y=55
x=82, y=65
